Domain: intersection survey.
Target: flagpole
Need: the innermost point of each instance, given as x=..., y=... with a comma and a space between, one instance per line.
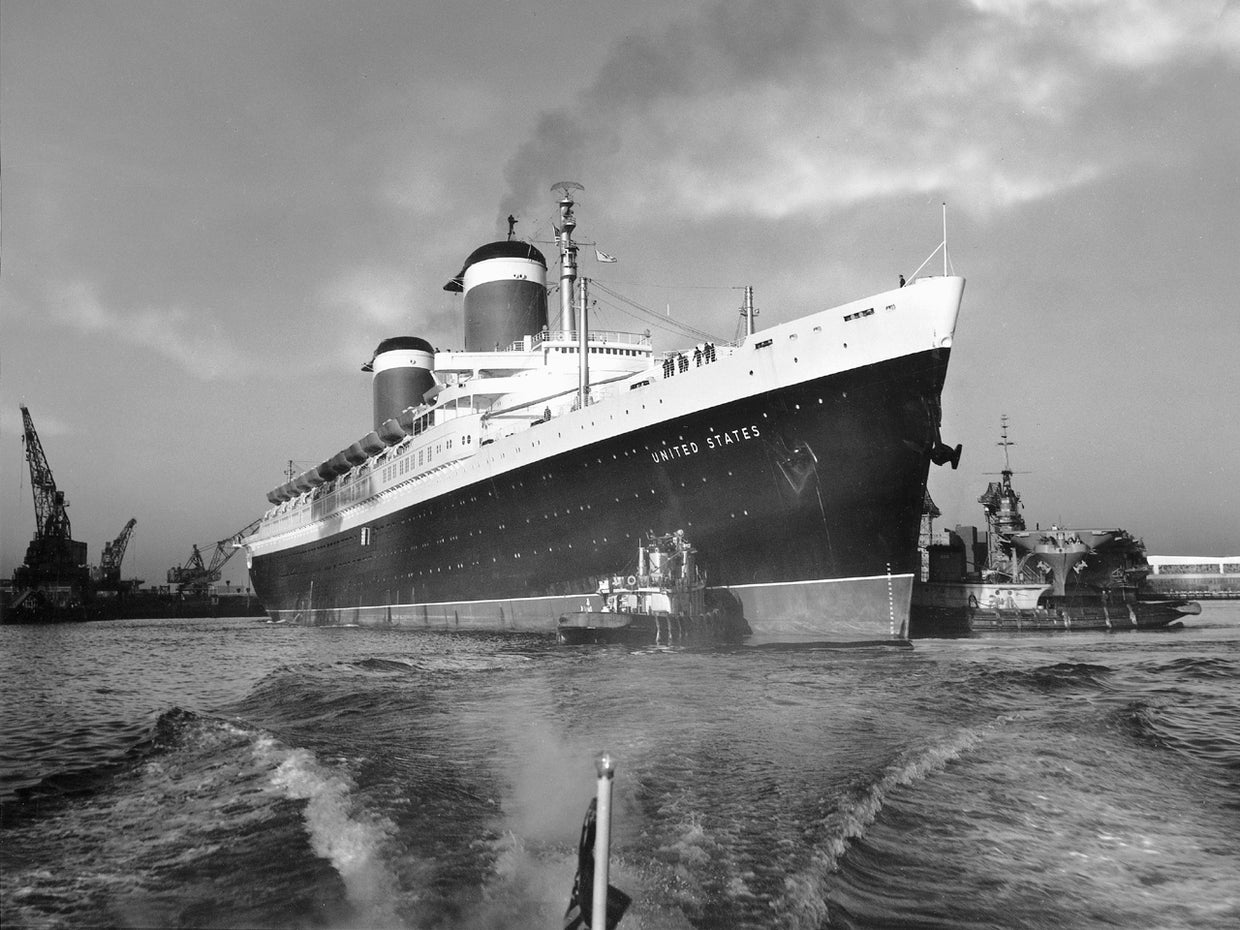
x=605, y=765
x=945, y=238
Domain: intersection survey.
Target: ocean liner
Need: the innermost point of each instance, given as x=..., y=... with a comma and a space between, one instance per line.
x=499, y=483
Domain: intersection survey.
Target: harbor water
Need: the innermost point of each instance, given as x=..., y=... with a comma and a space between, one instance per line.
x=238, y=773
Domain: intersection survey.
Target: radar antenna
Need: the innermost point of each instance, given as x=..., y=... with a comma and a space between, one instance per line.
x=565, y=186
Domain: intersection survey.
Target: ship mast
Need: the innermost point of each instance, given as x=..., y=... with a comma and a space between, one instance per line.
x=568, y=252
x=747, y=310
x=1005, y=443
x=1001, y=504
x=568, y=277
x=583, y=346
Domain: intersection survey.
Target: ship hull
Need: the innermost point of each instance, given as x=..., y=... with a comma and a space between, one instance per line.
x=804, y=502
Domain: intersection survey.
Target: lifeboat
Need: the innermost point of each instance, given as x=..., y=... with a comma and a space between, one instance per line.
x=391, y=432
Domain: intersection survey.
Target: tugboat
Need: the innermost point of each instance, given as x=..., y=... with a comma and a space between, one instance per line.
x=1021, y=580
x=664, y=600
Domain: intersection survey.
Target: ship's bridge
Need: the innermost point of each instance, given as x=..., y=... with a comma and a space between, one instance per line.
x=613, y=352
x=535, y=377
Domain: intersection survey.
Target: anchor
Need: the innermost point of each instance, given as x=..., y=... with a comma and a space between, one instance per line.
x=942, y=454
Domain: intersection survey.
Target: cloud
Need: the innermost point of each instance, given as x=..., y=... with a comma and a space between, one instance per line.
x=774, y=110
x=1131, y=34
x=192, y=341
x=371, y=295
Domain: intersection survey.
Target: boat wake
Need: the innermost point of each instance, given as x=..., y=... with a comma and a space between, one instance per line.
x=805, y=901
x=198, y=797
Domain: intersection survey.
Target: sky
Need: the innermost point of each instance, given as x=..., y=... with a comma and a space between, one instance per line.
x=212, y=212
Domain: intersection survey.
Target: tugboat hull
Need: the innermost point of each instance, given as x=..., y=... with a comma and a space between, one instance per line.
x=589, y=627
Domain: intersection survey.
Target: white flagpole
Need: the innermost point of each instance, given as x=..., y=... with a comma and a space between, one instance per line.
x=606, y=767
x=945, y=238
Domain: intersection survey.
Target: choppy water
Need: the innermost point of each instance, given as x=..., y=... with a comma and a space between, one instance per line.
x=242, y=774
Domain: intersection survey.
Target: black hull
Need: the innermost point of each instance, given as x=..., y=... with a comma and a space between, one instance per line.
x=804, y=502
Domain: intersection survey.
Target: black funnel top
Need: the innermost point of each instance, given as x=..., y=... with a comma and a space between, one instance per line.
x=501, y=249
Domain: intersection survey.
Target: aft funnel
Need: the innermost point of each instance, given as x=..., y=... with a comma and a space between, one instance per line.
x=403, y=369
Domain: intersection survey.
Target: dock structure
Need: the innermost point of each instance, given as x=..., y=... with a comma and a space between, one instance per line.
x=1198, y=577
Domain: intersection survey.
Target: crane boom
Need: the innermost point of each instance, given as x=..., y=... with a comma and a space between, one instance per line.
x=114, y=552
x=196, y=573
x=54, y=561
x=50, y=507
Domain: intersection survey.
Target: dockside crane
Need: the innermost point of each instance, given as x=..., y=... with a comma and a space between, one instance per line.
x=113, y=553
x=197, y=574
x=55, y=562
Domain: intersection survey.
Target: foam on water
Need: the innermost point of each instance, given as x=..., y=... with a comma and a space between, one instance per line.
x=350, y=839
